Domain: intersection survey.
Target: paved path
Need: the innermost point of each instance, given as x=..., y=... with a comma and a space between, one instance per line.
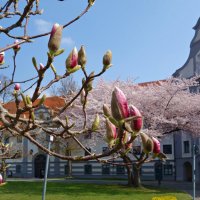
x=182, y=186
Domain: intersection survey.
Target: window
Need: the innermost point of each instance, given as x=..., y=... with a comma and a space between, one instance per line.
x=18, y=169
x=104, y=149
x=105, y=169
x=120, y=169
x=88, y=169
x=137, y=150
x=186, y=145
x=167, y=149
x=86, y=153
x=168, y=169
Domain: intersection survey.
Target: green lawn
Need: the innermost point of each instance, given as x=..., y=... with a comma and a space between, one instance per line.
x=65, y=191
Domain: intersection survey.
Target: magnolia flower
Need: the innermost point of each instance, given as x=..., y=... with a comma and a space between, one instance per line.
x=119, y=105
x=2, y=58
x=41, y=66
x=111, y=131
x=136, y=124
x=17, y=86
x=72, y=61
x=55, y=38
x=17, y=47
x=156, y=145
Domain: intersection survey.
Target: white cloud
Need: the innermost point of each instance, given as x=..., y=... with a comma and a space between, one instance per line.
x=67, y=41
x=43, y=26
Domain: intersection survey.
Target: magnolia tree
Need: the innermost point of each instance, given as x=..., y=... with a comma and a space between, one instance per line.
x=19, y=125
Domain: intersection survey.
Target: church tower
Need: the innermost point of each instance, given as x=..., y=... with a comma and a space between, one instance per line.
x=192, y=65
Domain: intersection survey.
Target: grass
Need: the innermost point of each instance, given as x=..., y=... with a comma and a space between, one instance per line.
x=65, y=191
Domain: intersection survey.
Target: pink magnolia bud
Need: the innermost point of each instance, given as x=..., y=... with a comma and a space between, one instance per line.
x=136, y=124
x=111, y=131
x=2, y=58
x=55, y=38
x=156, y=145
x=72, y=59
x=41, y=66
x=17, y=46
x=119, y=105
x=17, y=86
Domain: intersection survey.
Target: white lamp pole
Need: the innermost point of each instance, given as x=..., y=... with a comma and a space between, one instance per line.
x=46, y=169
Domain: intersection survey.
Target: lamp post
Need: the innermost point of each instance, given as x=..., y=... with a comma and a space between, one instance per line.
x=46, y=169
x=195, y=151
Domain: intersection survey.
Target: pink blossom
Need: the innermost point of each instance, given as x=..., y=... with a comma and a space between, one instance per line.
x=17, y=86
x=2, y=57
x=156, y=145
x=119, y=104
x=136, y=124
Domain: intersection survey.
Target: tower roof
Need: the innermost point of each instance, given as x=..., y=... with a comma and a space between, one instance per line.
x=197, y=24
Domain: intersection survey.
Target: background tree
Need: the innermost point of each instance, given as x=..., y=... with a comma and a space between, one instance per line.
x=166, y=107
x=66, y=87
x=6, y=94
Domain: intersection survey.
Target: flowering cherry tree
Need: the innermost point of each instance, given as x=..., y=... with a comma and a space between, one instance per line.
x=156, y=110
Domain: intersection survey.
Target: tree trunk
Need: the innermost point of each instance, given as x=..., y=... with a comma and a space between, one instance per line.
x=4, y=170
x=136, y=177
x=133, y=172
x=129, y=169
x=69, y=172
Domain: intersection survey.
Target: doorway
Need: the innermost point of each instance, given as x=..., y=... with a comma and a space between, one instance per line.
x=40, y=161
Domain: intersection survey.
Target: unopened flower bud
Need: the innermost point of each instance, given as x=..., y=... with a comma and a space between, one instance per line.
x=83, y=96
x=147, y=143
x=72, y=61
x=119, y=105
x=17, y=86
x=126, y=138
x=17, y=47
x=82, y=59
x=111, y=131
x=41, y=66
x=91, y=2
x=106, y=110
x=107, y=59
x=96, y=122
x=156, y=145
x=136, y=124
x=2, y=58
x=55, y=38
x=42, y=100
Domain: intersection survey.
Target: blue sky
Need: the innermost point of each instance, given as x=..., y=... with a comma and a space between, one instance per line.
x=149, y=38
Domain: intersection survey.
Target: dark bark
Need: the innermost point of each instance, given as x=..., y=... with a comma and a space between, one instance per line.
x=133, y=172
x=136, y=177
